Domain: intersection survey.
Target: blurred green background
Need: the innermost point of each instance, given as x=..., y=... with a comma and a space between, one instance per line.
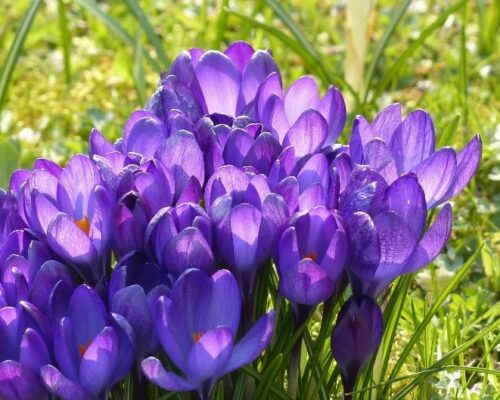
x=67, y=66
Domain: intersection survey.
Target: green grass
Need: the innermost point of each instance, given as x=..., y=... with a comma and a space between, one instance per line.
x=66, y=66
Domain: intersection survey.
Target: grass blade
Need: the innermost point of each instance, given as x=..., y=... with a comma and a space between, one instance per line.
x=153, y=38
x=138, y=71
x=116, y=28
x=396, y=17
x=392, y=73
x=435, y=307
x=15, y=50
x=65, y=39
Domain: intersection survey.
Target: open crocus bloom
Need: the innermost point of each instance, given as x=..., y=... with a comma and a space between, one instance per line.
x=198, y=327
x=387, y=229
x=93, y=350
x=71, y=210
x=23, y=350
x=393, y=147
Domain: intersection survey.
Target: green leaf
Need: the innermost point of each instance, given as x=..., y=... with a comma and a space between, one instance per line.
x=116, y=28
x=401, y=61
x=435, y=307
x=153, y=38
x=396, y=17
x=9, y=157
x=15, y=50
x=65, y=39
x=449, y=131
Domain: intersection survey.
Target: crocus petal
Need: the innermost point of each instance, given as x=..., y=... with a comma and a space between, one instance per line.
x=306, y=283
x=126, y=352
x=387, y=121
x=154, y=371
x=240, y=53
x=61, y=386
x=378, y=156
x=219, y=81
x=74, y=193
x=182, y=155
x=33, y=353
x=269, y=87
x=48, y=275
x=263, y=153
x=87, y=313
x=44, y=211
x=355, y=337
x=66, y=349
x=333, y=261
x=332, y=108
x=312, y=196
x=300, y=96
x=433, y=241
x=288, y=253
x=145, y=136
x=307, y=134
x=229, y=179
x=70, y=242
x=245, y=226
x=237, y=147
x=288, y=188
x=252, y=344
x=220, y=311
x=315, y=170
x=99, y=361
x=467, y=163
x=20, y=383
x=210, y=354
x=413, y=141
x=435, y=174
x=98, y=144
x=188, y=249
x=365, y=252
x=406, y=198
x=259, y=67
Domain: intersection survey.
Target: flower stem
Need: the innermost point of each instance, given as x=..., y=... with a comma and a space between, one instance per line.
x=293, y=370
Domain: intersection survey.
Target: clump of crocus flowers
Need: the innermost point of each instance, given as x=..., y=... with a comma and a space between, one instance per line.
x=141, y=260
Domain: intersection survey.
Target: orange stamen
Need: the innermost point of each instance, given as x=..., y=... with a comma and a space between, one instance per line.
x=311, y=255
x=197, y=336
x=83, y=224
x=83, y=348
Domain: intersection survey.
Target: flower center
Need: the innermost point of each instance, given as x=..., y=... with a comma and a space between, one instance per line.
x=311, y=255
x=83, y=224
x=83, y=348
x=197, y=336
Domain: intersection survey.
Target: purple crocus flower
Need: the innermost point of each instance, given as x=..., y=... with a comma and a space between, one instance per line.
x=311, y=256
x=305, y=184
x=93, y=350
x=71, y=210
x=393, y=147
x=355, y=337
x=224, y=83
x=198, y=327
x=247, y=219
x=300, y=117
x=239, y=142
x=387, y=229
x=24, y=335
x=134, y=287
x=180, y=238
x=29, y=273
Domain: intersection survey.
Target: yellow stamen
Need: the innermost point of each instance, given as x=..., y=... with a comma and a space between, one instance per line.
x=83, y=348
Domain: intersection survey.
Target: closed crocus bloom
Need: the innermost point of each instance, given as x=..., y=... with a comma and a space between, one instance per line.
x=93, y=350
x=388, y=236
x=71, y=210
x=180, y=238
x=23, y=334
x=224, y=83
x=355, y=337
x=394, y=146
x=133, y=289
x=311, y=256
x=248, y=220
x=300, y=117
x=306, y=184
x=240, y=142
x=197, y=326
